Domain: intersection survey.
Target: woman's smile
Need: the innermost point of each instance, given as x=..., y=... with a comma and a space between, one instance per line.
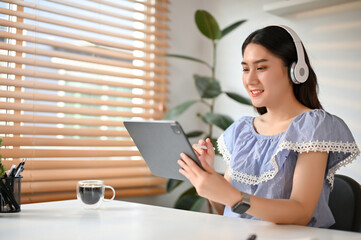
x=256, y=92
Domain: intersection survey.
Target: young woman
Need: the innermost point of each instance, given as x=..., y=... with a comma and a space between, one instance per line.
x=281, y=163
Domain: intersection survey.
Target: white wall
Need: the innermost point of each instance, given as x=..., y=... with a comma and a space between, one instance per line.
x=331, y=35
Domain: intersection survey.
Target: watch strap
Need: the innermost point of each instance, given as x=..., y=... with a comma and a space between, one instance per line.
x=243, y=205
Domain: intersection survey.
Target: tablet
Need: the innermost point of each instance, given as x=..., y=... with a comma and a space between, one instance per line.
x=161, y=143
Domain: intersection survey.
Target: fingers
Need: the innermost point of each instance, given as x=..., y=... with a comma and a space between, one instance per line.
x=197, y=150
x=206, y=166
x=189, y=163
x=189, y=166
x=209, y=146
x=203, y=146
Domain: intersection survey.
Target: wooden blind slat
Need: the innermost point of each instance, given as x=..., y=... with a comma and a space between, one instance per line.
x=29, y=187
x=96, y=41
x=72, y=89
x=116, y=5
x=79, y=27
x=68, y=99
x=36, y=141
x=75, y=164
x=59, y=120
x=54, y=153
x=84, y=173
x=158, y=6
x=85, y=49
x=47, y=64
x=77, y=57
x=90, y=19
x=33, y=130
x=76, y=110
x=55, y=76
x=108, y=13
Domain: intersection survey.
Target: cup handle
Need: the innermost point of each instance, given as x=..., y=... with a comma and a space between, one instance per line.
x=110, y=199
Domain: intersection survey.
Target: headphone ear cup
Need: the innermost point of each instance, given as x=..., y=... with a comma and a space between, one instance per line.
x=292, y=73
x=301, y=72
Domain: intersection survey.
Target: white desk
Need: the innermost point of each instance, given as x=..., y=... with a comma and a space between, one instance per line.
x=124, y=220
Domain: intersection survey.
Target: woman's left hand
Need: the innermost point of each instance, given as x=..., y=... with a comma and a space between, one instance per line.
x=208, y=182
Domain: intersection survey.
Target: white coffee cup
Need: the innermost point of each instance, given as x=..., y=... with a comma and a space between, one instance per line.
x=91, y=193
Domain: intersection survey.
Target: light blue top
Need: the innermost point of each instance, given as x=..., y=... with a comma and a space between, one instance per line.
x=264, y=165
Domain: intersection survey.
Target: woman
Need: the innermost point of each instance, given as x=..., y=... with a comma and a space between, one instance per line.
x=281, y=163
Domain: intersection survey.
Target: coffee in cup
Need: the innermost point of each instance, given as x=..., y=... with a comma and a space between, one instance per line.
x=91, y=193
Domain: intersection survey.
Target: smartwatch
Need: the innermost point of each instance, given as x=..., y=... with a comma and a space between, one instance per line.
x=242, y=206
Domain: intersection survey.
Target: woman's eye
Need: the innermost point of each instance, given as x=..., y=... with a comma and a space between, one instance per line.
x=245, y=70
x=261, y=68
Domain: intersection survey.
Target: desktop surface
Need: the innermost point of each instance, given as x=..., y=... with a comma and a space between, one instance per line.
x=125, y=220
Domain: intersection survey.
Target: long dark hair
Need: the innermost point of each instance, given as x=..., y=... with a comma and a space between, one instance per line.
x=280, y=43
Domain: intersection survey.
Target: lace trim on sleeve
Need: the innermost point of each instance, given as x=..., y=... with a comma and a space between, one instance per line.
x=254, y=180
x=316, y=146
x=322, y=146
x=331, y=172
x=221, y=145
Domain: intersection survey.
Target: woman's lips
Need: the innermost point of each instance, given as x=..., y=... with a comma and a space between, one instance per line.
x=256, y=93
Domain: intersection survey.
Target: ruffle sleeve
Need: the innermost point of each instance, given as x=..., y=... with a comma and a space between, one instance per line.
x=256, y=159
x=226, y=141
x=320, y=131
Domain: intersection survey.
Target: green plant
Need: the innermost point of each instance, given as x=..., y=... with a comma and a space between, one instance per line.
x=2, y=167
x=209, y=88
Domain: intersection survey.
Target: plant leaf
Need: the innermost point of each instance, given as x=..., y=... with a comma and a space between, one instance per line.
x=198, y=204
x=189, y=58
x=2, y=167
x=172, y=184
x=194, y=134
x=190, y=202
x=2, y=170
x=207, y=25
x=238, y=98
x=220, y=120
x=207, y=88
x=178, y=110
x=189, y=191
x=231, y=27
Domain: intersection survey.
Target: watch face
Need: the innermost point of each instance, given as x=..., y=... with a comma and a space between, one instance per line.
x=240, y=208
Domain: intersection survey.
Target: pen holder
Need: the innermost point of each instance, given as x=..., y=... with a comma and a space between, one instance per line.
x=10, y=194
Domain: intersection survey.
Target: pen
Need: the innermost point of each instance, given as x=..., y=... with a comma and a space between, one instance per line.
x=12, y=169
x=202, y=146
x=15, y=170
x=20, y=168
x=252, y=237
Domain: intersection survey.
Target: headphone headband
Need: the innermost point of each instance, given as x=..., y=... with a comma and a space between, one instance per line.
x=299, y=70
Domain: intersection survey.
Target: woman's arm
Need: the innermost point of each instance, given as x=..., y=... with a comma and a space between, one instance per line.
x=307, y=186
x=306, y=190
x=208, y=156
x=218, y=206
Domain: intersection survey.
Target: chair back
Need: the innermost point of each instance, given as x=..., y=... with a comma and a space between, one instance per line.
x=345, y=204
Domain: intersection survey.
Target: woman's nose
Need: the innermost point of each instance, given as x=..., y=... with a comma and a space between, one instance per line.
x=251, y=77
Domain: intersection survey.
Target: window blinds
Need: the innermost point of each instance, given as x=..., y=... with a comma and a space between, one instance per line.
x=71, y=72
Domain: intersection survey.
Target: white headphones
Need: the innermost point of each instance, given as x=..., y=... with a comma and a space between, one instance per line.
x=298, y=70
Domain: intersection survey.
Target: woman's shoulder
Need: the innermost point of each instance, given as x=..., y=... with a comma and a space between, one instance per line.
x=317, y=119
x=318, y=125
x=241, y=124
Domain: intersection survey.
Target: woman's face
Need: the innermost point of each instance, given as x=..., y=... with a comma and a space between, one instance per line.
x=265, y=77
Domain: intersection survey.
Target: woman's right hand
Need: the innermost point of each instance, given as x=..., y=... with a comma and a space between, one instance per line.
x=206, y=155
